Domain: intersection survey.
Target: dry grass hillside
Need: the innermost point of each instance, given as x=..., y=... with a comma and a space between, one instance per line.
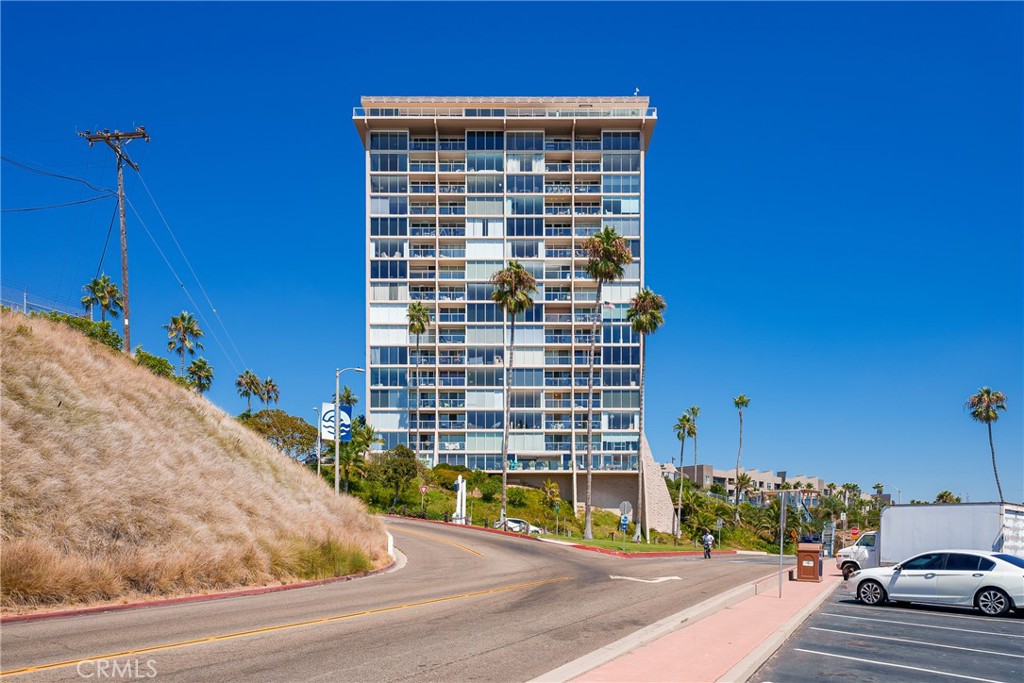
x=118, y=484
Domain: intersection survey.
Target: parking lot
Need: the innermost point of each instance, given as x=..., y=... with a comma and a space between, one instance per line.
x=847, y=641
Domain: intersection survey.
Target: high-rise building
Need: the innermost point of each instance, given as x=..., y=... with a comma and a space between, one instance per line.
x=456, y=187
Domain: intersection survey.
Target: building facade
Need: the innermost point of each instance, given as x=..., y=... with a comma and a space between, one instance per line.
x=455, y=189
x=761, y=481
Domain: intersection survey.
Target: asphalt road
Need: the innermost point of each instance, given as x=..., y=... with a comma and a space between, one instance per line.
x=847, y=641
x=467, y=606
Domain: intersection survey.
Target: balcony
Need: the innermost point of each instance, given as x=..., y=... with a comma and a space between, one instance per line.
x=557, y=317
x=588, y=145
x=417, y=231
x=452, y=424
x=425, y=402
x=557, y=339
x=452, y=210
x=557, y=403
x=453, y=189
x=422, y=146
x=422, y=253
x=557, y=446
x=423, y=360
x=557, y=145
x=557, y=189
x=422, y=274
x=586, y=230
x=557, y=360
x=451, y=145
x=556, y=424
x=589, y=188
x=422, y=167
x=452, y=167
x=451, y=339
x=422, y=189
x=557, y=211
x=556, y=168
x=453, y=232
x=422, y=210
x=558, y=275
x=453, y=403
x=558, y=232
x=421, y=296
x=586, y=210
x=453, y=252
x=588, y=167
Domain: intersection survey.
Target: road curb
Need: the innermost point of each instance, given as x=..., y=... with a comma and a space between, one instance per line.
x=165, y=602
x=649, y=634
x=749, y=665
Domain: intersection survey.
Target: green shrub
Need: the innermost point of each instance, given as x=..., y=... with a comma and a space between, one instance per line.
x=159, y=366
x=101, y=332
x=516, y=497
x=490, y=488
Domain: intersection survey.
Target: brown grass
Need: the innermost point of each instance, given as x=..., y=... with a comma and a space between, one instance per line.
x=119, y=484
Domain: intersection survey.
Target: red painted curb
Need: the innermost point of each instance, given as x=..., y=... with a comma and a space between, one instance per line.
x=189, y=598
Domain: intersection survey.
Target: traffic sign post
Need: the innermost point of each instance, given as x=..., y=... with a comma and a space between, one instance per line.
x=623, y=525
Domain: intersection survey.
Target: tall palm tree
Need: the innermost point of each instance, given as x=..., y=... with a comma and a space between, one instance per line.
x=694, y=412
x=105, y=294
x=645, y=314
x=419, y=318
x=269, y=392
x=740, y=402
x=353, y=453
x=682, y=430
x=200, y=375
x=513, y=286
x=183, y=333
x=985, y=406
x=347, y=398
x=249, y=385
x=607, y=255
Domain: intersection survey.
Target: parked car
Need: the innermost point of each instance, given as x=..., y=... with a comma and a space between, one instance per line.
x=991, y=582
x=519, y=526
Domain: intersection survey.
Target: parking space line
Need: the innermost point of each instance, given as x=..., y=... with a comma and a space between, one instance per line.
x=911, y=623
x=917, y=642
x=861, y=660
x=989, y=620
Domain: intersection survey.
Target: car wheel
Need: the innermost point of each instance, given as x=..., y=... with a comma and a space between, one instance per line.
x=993, y=602
x=848, y=570
x=871, y=593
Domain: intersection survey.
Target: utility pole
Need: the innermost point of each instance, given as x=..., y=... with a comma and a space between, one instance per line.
x=115, y=141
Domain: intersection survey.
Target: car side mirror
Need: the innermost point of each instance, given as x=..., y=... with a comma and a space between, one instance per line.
x=897, y=567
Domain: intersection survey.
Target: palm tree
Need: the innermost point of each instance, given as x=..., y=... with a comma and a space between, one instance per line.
x=985, y=406
x=200, y=375
x=607, y=254
x=682, y=430
x=694, y=412
x=744, y=484
x=419, y=318
x=347, y=398
x=551, y=492
x=513, y=286
x=269, y=392
x=249, y=385
x=945, y=497
x=105, y=294
x=183, y=333
x=645, y=314
x=353, y=453
x=740, y=402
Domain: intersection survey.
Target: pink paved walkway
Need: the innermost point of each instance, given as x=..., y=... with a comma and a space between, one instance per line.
x=708, y=649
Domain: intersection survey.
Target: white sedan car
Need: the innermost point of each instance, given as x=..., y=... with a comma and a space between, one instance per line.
x=519, y=526
x=992, y=582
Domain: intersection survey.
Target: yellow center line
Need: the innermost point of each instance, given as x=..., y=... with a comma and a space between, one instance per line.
x=438, y=538
x=281, y=627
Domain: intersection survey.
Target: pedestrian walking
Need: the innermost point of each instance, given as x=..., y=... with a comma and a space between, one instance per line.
x=709, y=540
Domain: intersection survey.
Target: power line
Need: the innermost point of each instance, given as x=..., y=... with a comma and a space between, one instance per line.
x=59, y=206
x=39, y=171
x=103, y=255
x=181, y=284
x=199, y=282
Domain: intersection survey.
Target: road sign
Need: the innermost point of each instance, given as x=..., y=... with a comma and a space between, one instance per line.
x=854, y=532
x=625, y=507
x=556, y=507
x=842, y=516
x=624, y=522
x=423, y=489
x=719, y=522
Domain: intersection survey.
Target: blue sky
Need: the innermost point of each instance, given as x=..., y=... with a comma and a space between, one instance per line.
x=834, y=208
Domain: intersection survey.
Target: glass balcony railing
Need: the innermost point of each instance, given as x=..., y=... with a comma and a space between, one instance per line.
x=422, y=210
x=423, y=360
x=558, y=446
x=422, y=232
x=587, y=210
x=586, y=230
x=452, y=360
x=556, y=168
x=557, y=360
x=453, y=275
x=556, y=424
x=451, y=145
x=422, y=145
x=557, y=274
x=425, y=403
x=422, y=274
x=557, y=145
x=556, y=403
x=423, y=189
x=451, y=296
x=452, y=210
x=559, y=253
x=458, y=317
x=556, y=381
x=453, y=232
x=422, y=253
x=557, y=211
x=557, y=232
x=557, y=339
x=453, y=189
x=452, y=424
x=588, y=145
x=588, y=189
x=588, y=167
x=452, y=167
x=451, y=339
x=557, y=317
x=421, y=296
x=421, y=167
x=453, y=252
x=557, y=189
x=453, y=403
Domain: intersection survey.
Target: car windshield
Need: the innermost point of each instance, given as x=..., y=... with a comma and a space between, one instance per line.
x=1012, y=559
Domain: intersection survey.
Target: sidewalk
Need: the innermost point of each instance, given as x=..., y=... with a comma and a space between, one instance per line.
x=726, y=638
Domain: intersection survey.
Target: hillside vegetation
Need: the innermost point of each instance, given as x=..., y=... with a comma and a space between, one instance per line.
x=120, y=484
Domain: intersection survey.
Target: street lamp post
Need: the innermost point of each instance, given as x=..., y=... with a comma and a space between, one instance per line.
x=337, y=426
